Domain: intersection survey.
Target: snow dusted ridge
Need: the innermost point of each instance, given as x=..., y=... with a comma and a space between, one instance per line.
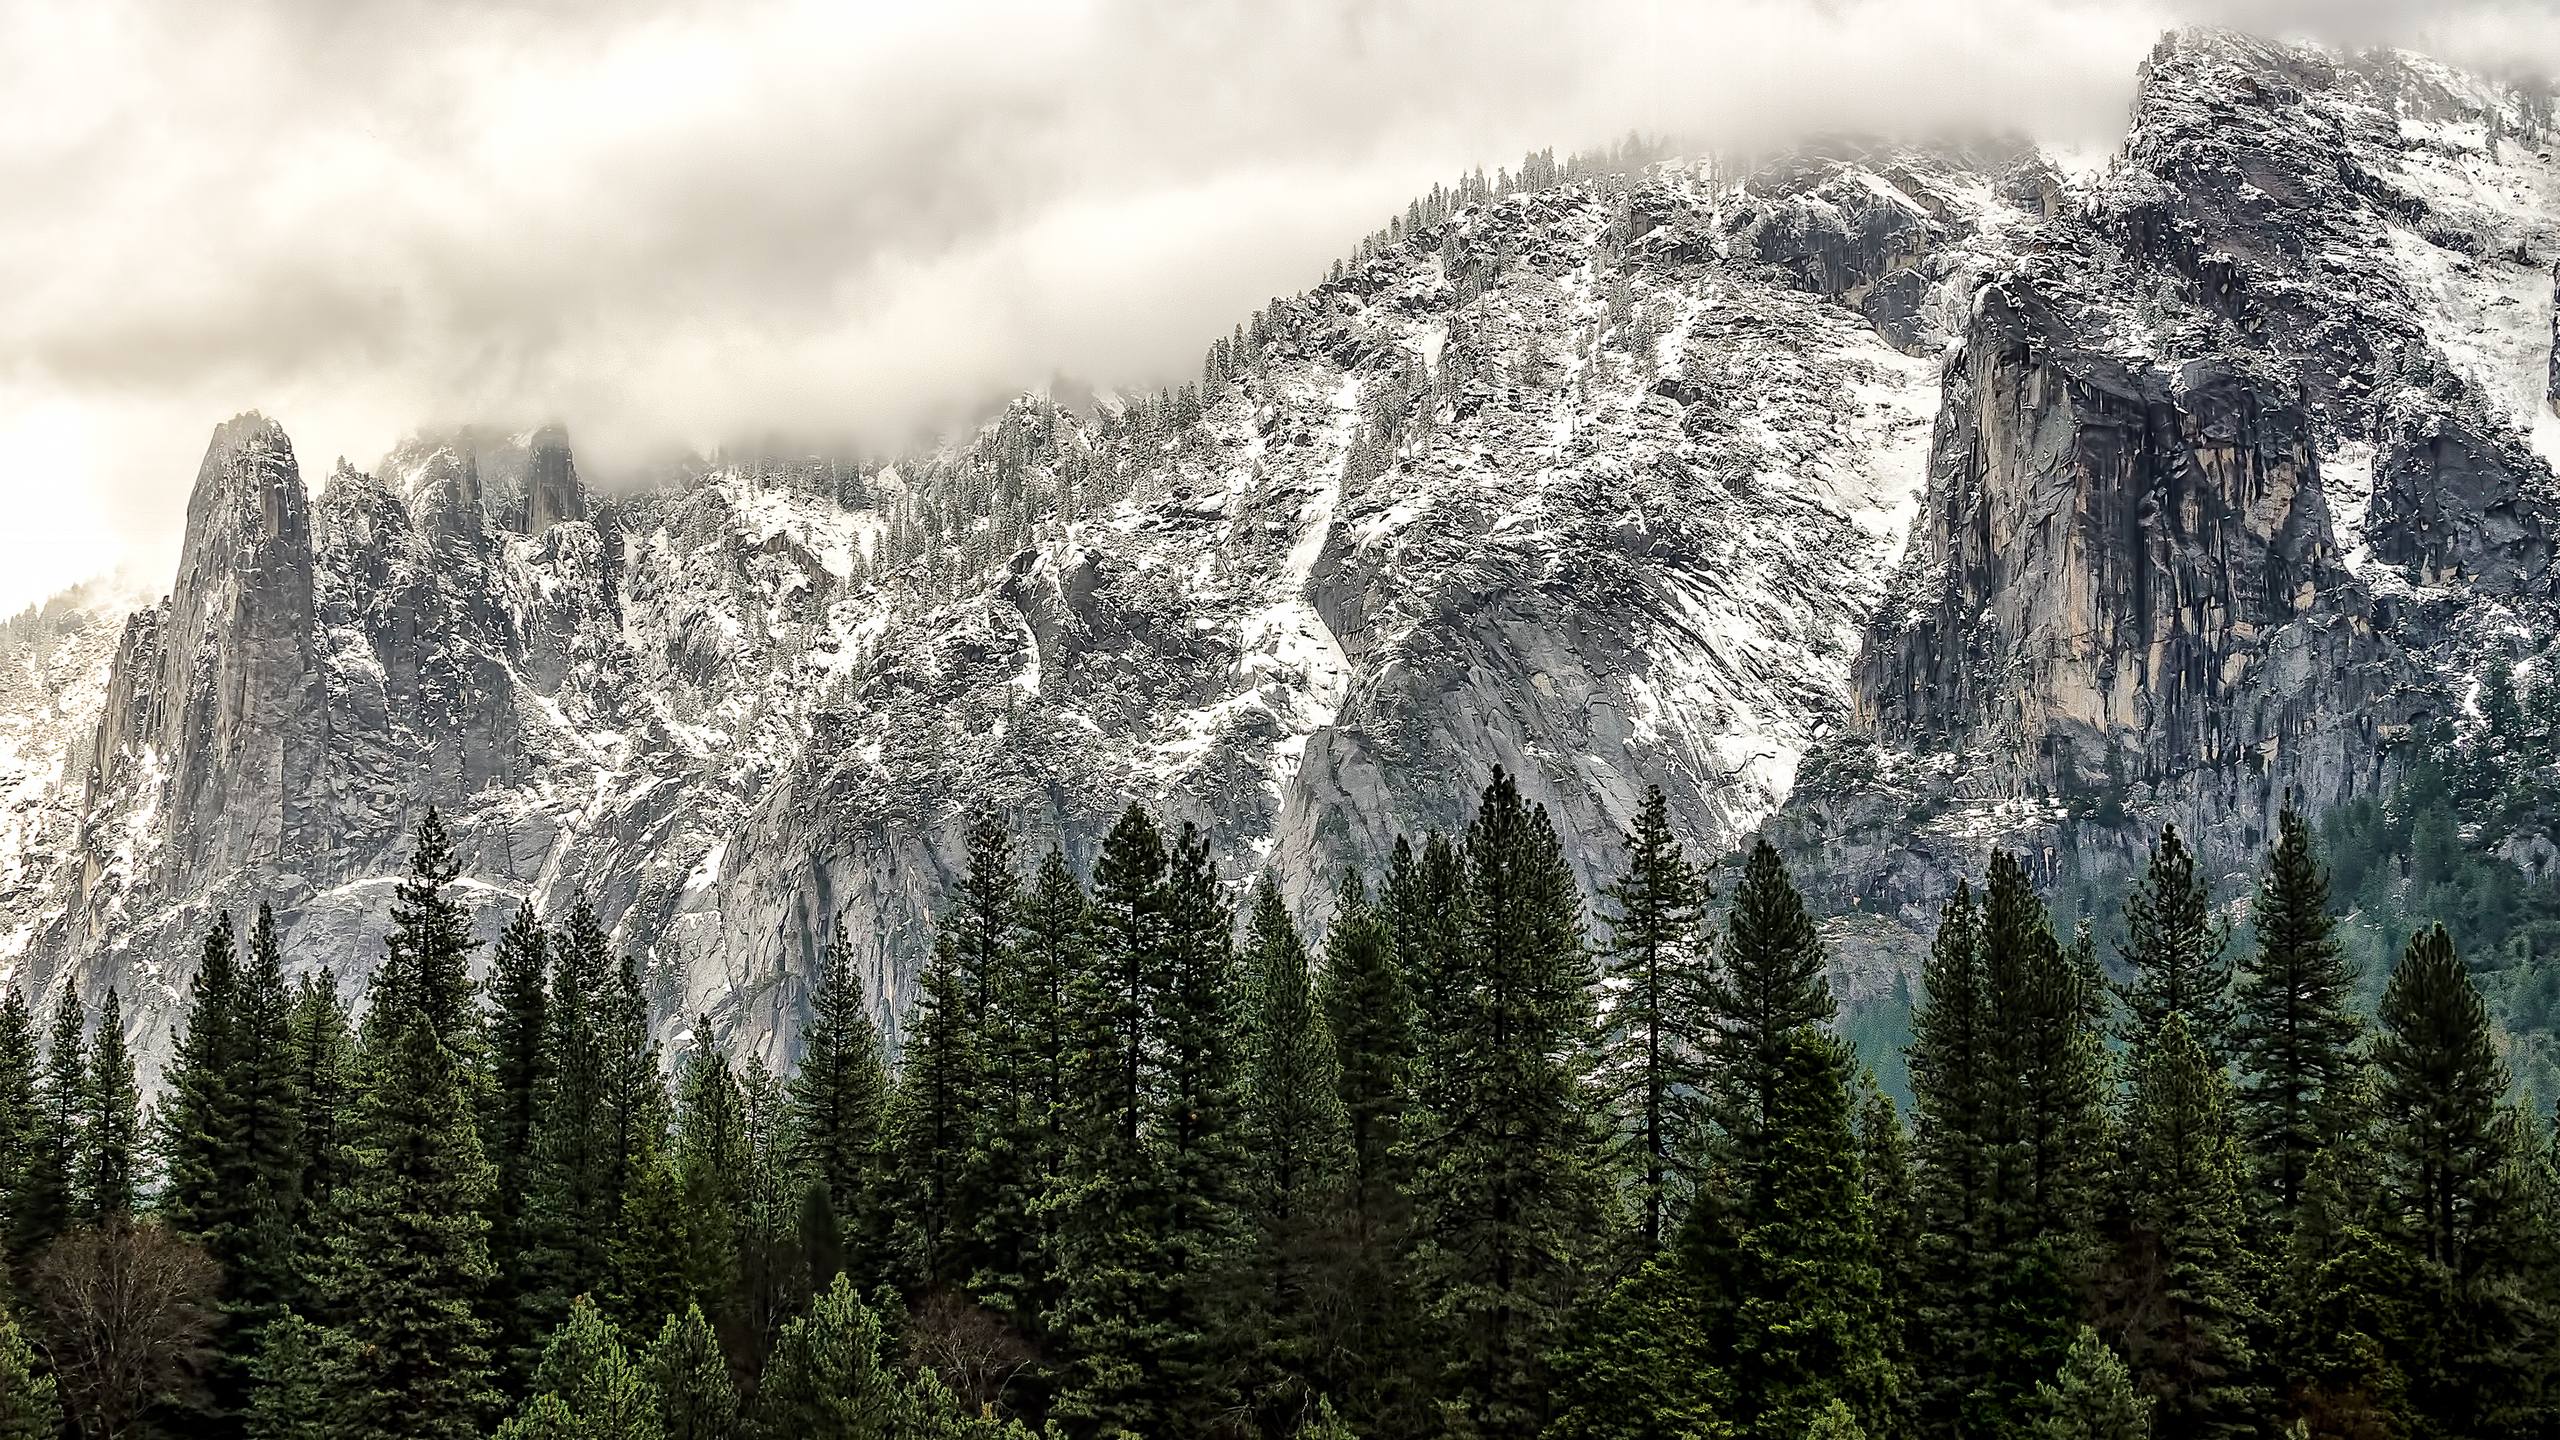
x=1605, y=482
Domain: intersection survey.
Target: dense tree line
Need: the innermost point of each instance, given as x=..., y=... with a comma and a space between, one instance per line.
x=1148, y=1166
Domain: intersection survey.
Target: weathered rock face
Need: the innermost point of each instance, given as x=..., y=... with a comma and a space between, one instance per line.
x=2459, y=499
x=2122, y=583
x=218, y=700
x=2551, y=387
x=1608, y=484
x=2231, y=474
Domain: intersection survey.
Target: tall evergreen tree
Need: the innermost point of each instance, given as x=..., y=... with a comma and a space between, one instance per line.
x=2456, y=1198
x=1029, y=1038
x=1807, y=1298
x=698, y=1399
x=1640, y=1365
x=19, y=1106
x=1952, y=1068
x=2179, y=962
x=1893, y=1219
x=931, y=1119
x=2442, y=1085
x=982, y=922
x=1508, y=1184
x=2188, y=1318
x=1114, y=1312
x=2009, y=1078
x=832, y=1378
x=1768, y=983
x=2091, y=1397
x=2049, y=1112
x=713, y=1163
x=48, y=1197
x=1296, y=1144
x=1369, y=1012
x=1653, y=1024
x=111, y=1128
x=228, y=1139
x=299, y=1374
x=520, y=1040
x=587, y=1387
x=197, y=1120
x=1196, y=1026
x=409, y=1261
x=576, y=1208
x=839, y=1108
x=774, y=1279
x=2296, y=1030
x=321, y=1045
x=2344, y=1308
x=636, y=1152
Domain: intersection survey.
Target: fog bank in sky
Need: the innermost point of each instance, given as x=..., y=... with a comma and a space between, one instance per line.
x=672, y=224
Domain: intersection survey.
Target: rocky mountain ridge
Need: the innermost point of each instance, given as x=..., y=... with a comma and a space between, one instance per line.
x=1924, y=500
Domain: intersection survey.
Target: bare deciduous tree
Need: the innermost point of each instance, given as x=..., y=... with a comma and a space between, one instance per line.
x=128, y=1316
x=971, y=1347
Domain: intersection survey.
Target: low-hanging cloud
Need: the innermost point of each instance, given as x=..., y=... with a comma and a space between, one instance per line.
x=674, y=223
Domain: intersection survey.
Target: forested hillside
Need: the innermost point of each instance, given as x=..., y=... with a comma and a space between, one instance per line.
x=1486, y=1157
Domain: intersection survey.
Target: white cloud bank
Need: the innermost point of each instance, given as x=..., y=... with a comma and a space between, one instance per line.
x=671, y=223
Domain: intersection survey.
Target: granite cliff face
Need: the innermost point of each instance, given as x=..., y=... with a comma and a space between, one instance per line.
x=1921, y=499
x=2234, y=482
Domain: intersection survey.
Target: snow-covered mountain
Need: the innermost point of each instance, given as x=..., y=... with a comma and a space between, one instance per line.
x=1942, y=497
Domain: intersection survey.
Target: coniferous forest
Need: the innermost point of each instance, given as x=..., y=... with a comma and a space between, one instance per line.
x=1478, y=1160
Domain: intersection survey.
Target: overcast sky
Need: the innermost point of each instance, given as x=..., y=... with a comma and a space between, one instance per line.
x=673, y=223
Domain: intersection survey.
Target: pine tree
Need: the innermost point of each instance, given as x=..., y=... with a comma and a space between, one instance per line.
x=2047, y=1108
x=1296, y=1141
x=575, y=1208
x=408, y=1253
x=197, y=1119
x=2091, y=1397
x=587, y=1388
x=2177, y=954
x=839, y=1102
x=636, y=1148
x=2189, y=1318
x=1640, y=1366
x=656, y=1260
x=774, y=1279
x=28, y=1407
x=1507, y=1180
x=698, y=1399
x=296, y=1379
x=982, y=923
x=1028, y=1039
x=1835, y=1422
x=1806, y=1297
x=321, y=1046
x=1370, y=1015
x=1893, y=1219
x=1113, y=1315
x=19, y=1106
x=2008, y=1081
x=519, y=1089
x=2454, y=1197
x=930, y=1119
x=227, y=1135
x=1322, y=1423
x=2296, y=1030
x=1652, y=1024
x=832, y=1379
x=48, y=1198
x=111, y=1125
x=2441, y=1087
x=1195, y=1026
x=1768, y=983
x=2344, y=1319
x=711, y=1169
